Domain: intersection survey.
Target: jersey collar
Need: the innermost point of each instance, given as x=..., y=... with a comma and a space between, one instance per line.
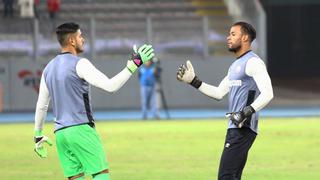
x=243, y=54
x=65, y=53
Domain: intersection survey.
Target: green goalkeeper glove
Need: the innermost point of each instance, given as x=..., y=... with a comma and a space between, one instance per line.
x=140, y=56
x=39, y=148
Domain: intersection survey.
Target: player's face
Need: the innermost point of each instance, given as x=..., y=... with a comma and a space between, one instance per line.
x=234, y=39
x=79, y=39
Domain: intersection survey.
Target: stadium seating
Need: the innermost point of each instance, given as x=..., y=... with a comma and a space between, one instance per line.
x=174, y=22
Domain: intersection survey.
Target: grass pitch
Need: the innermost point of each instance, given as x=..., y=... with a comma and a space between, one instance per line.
x=174, y=150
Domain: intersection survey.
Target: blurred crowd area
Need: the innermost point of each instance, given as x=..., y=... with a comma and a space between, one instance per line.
x=110, y=26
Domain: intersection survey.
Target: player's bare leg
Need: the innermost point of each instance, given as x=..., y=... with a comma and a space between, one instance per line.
x=103, y=175
x=77, y=177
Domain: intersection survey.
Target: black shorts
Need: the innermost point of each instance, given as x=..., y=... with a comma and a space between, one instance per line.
x=235, y=153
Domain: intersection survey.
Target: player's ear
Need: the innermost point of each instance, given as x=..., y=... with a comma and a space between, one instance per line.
x=71, y=40
x=245, y=38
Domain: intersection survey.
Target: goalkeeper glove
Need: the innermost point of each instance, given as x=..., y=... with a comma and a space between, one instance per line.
x=39, y=148
x=140, y=56
x=239, y=118
x=186, y=74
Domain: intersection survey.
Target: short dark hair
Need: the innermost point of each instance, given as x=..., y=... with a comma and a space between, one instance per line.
x=247, y=28
x=64, y=30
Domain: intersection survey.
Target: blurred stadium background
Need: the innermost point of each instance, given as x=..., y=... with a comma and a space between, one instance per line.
x=179, y=30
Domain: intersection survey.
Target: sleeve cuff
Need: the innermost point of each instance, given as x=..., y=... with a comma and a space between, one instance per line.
x=38, y=133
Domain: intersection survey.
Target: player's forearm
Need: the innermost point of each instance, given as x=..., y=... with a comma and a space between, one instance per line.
x=257, y=70
x=261, y=101
x=111, y=85
x=212, y=91
x=96, y=78
x=266, y=93
x=215, y=92
x=40, y=116
x=115, y=83
x=42, y=105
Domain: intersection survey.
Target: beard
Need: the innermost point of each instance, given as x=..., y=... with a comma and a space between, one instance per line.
x=235, y=49
x=79, y=50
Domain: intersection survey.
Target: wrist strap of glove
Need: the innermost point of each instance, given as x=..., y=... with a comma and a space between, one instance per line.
x=196, y=82
x=37, y=139
x=248, y=111
x=132, y=67
x=37, y=135
x=134, y=62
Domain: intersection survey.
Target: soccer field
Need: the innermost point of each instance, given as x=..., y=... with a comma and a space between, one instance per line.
x=174, y=149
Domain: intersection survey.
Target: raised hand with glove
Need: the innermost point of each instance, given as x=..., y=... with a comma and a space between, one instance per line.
x=139, y=57
x=239, y=118
x=39, y=147
x=186, y=74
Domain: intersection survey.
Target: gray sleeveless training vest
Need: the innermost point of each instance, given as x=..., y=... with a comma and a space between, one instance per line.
x=69, y=93
x=242, y=90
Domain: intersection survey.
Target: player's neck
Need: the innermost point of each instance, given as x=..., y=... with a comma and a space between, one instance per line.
x=69, y=49
x=242, y=51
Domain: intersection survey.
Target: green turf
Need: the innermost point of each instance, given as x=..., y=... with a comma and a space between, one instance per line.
x=177, y=150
